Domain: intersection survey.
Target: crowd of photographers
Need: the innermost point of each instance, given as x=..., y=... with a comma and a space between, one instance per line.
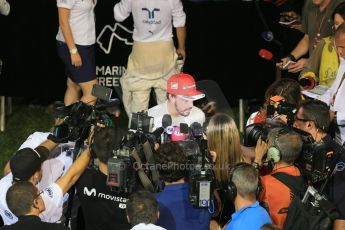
x=179, y=166
x=173, y=170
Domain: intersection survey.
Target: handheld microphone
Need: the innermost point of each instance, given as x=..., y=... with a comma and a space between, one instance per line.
x=166, y=124
x=197, y=130
x=158, y=132
x=267, y=55
x=155, y=135
x=177, y=135
x=166, y=120
x=269, y=37
x=184, y=128
x=307, y=83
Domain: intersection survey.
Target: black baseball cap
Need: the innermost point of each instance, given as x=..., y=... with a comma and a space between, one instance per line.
x=25, y=162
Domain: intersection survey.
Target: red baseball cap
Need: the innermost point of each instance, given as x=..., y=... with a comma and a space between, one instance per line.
x=184, y=85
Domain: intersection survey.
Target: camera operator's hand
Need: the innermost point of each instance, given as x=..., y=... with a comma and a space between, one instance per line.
x=156, y=146
x=57, y=139
x=260, y=151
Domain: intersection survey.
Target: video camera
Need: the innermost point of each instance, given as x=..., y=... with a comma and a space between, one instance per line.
x=316, y=157
x=121, y=174
x=200, y=173
x=315, y=161
x=80, y=116
x=255, y=131
x=133, y=164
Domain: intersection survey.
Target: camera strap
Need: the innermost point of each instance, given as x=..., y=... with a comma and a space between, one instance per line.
x=149, y=157
x=142, y=175
x=295, y=183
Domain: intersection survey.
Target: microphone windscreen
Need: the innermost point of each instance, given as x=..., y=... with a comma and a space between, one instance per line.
x=169, y=130
x=177, y=135
x=267, y=36
x=265, y=54
x=307, y=83
x=196, y=129
x=184, y=128
x=166, y=120
x=157, y=133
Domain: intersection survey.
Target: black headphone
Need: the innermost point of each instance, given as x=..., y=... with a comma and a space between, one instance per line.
x=231, y=190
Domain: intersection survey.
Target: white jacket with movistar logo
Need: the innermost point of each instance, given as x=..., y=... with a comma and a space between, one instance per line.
x=153, y=19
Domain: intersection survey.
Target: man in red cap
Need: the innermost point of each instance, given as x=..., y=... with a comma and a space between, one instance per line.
x=181, y=92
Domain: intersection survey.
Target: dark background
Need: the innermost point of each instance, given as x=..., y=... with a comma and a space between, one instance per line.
x=223, y=41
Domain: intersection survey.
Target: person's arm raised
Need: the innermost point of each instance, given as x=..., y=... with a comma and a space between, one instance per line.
x=75, y=171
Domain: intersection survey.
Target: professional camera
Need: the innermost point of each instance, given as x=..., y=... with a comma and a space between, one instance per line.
x=201, y=178
x=140, y=122
x=79, y=117
x=315, y=161
x=121, y=174
x=283, y=108
x=200, y=168
x=133, y=164
x=253, y=132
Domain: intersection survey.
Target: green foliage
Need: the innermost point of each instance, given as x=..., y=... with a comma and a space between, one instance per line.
x=23, y=121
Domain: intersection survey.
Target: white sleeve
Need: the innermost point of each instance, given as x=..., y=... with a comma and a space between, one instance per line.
x=34, y=140
x=326, y=97
x=340, y=117
x=179, y=16
x=53, y=201
x=4, y=7
x=251, y=118
x=122, y=10
x=68, y=4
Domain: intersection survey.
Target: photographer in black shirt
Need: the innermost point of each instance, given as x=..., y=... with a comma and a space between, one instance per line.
x=102, y=208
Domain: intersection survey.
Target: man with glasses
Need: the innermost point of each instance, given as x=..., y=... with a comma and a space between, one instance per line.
x=25, y=201
x=313, y=117
x=181, y=92
x=283, y=148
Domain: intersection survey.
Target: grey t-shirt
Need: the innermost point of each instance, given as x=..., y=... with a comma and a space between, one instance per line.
x=315, y=22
